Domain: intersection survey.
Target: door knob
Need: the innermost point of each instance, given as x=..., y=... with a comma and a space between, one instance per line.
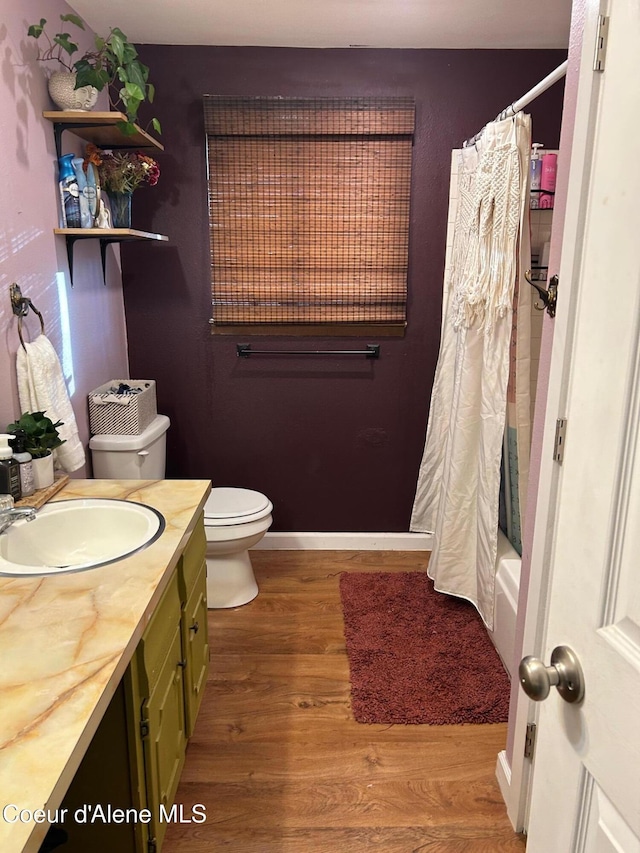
x=565, y=674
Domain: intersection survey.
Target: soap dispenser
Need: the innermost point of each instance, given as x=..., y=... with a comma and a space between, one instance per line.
x=9, y=469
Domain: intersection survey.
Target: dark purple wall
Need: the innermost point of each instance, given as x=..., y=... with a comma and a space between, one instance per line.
x=334, y=442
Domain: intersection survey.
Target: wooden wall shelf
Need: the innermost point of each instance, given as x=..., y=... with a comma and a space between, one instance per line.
x=113, y=235
x=100, y=128
x=105, y=236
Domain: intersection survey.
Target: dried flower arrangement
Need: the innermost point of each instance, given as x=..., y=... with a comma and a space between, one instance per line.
x=122, y=171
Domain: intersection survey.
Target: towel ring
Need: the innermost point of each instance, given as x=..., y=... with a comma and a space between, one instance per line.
x=20, y=306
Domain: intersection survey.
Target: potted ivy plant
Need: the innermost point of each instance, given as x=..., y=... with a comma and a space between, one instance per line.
x=112, y=63
x=42, y=438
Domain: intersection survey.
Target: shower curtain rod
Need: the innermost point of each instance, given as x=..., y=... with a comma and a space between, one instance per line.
x=531, y=95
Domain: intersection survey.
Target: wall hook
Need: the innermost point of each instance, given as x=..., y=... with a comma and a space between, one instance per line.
x=548, y=296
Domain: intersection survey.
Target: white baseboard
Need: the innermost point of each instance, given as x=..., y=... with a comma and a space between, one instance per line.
x=346, y=542
x=503, y=775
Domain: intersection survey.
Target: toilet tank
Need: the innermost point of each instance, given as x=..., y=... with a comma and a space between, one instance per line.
x=131, y=457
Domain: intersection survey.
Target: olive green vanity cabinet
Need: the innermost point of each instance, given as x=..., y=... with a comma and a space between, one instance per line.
x=192, y=583
x=136, y=757
x=156, y=687
x=166, y=681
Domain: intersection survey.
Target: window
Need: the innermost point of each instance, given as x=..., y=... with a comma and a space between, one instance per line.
x=309, y=214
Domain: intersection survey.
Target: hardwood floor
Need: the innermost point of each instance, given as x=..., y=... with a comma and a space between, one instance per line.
x=281, y=766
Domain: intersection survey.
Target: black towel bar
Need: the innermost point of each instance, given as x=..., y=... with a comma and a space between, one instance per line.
x=244, y=351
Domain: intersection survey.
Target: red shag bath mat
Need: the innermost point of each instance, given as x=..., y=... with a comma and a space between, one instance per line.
x=418, y=656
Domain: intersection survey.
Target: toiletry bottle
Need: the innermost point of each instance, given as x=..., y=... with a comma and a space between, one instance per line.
x=81, y=180
x=9, y=469
x=548, y=180
x=69, y=193
x=23, y=458
x=93, y=193
x=536, y=174
x=6, y=501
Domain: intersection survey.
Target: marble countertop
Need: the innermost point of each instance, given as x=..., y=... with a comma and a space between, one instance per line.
x=65, y=643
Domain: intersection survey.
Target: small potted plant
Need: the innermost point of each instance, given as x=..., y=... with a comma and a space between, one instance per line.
x=42, y=438
x=112, y=63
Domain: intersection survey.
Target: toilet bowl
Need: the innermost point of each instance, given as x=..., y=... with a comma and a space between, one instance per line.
x=234, y=521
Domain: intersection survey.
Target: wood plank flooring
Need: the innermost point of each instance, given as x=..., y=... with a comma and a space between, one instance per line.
x=278, y=761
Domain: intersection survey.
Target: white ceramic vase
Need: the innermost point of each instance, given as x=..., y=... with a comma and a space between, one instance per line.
x=43, y=471
x=66, y=97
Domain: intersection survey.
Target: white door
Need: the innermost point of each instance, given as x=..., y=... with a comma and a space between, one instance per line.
x=585, y=793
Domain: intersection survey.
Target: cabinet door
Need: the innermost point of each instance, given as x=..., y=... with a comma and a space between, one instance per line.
x=159, y=635
x=165, y=738
x=105, y=779
x=192, y=560
x=195, y=643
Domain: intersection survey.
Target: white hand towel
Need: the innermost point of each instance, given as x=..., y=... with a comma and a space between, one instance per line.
x=41, y=388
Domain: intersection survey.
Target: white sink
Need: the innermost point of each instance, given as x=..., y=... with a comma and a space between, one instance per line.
x=73, y=535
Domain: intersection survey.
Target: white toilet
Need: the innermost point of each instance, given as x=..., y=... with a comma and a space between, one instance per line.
x=234, y=519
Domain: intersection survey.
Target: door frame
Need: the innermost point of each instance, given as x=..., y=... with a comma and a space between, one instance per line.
x=566, y=253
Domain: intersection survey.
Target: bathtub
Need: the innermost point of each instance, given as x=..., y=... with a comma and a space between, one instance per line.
x=506, y=602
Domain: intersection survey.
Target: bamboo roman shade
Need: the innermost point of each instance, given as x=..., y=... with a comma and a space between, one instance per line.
x=309, y=211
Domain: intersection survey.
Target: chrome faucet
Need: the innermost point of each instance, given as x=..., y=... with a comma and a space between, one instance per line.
x=8, y=516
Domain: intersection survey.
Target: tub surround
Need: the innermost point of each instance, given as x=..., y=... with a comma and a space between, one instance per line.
x=503, y=636
x=66, y=641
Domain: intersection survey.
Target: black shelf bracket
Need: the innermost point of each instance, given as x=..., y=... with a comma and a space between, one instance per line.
x=70, y=241
x=104, y=242
x=104, y=237
x=57, y=135
x=59, y=128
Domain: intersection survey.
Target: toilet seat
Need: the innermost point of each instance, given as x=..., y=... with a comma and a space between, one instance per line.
x=228, y=505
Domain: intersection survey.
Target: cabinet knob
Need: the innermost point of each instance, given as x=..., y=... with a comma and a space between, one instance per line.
x=195, y=627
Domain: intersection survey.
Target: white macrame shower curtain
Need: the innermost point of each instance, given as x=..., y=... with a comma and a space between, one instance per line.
x=457, y=496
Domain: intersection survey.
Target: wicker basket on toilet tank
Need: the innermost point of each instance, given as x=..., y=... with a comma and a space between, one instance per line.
x=121, y=412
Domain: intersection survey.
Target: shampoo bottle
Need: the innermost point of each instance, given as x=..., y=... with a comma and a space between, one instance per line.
x=548, y=180
x=69, y=193
x=9, y=469
x=536, y=175
x=27, y=485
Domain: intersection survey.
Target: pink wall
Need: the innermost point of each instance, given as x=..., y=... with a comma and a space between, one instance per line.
x=85, y=323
